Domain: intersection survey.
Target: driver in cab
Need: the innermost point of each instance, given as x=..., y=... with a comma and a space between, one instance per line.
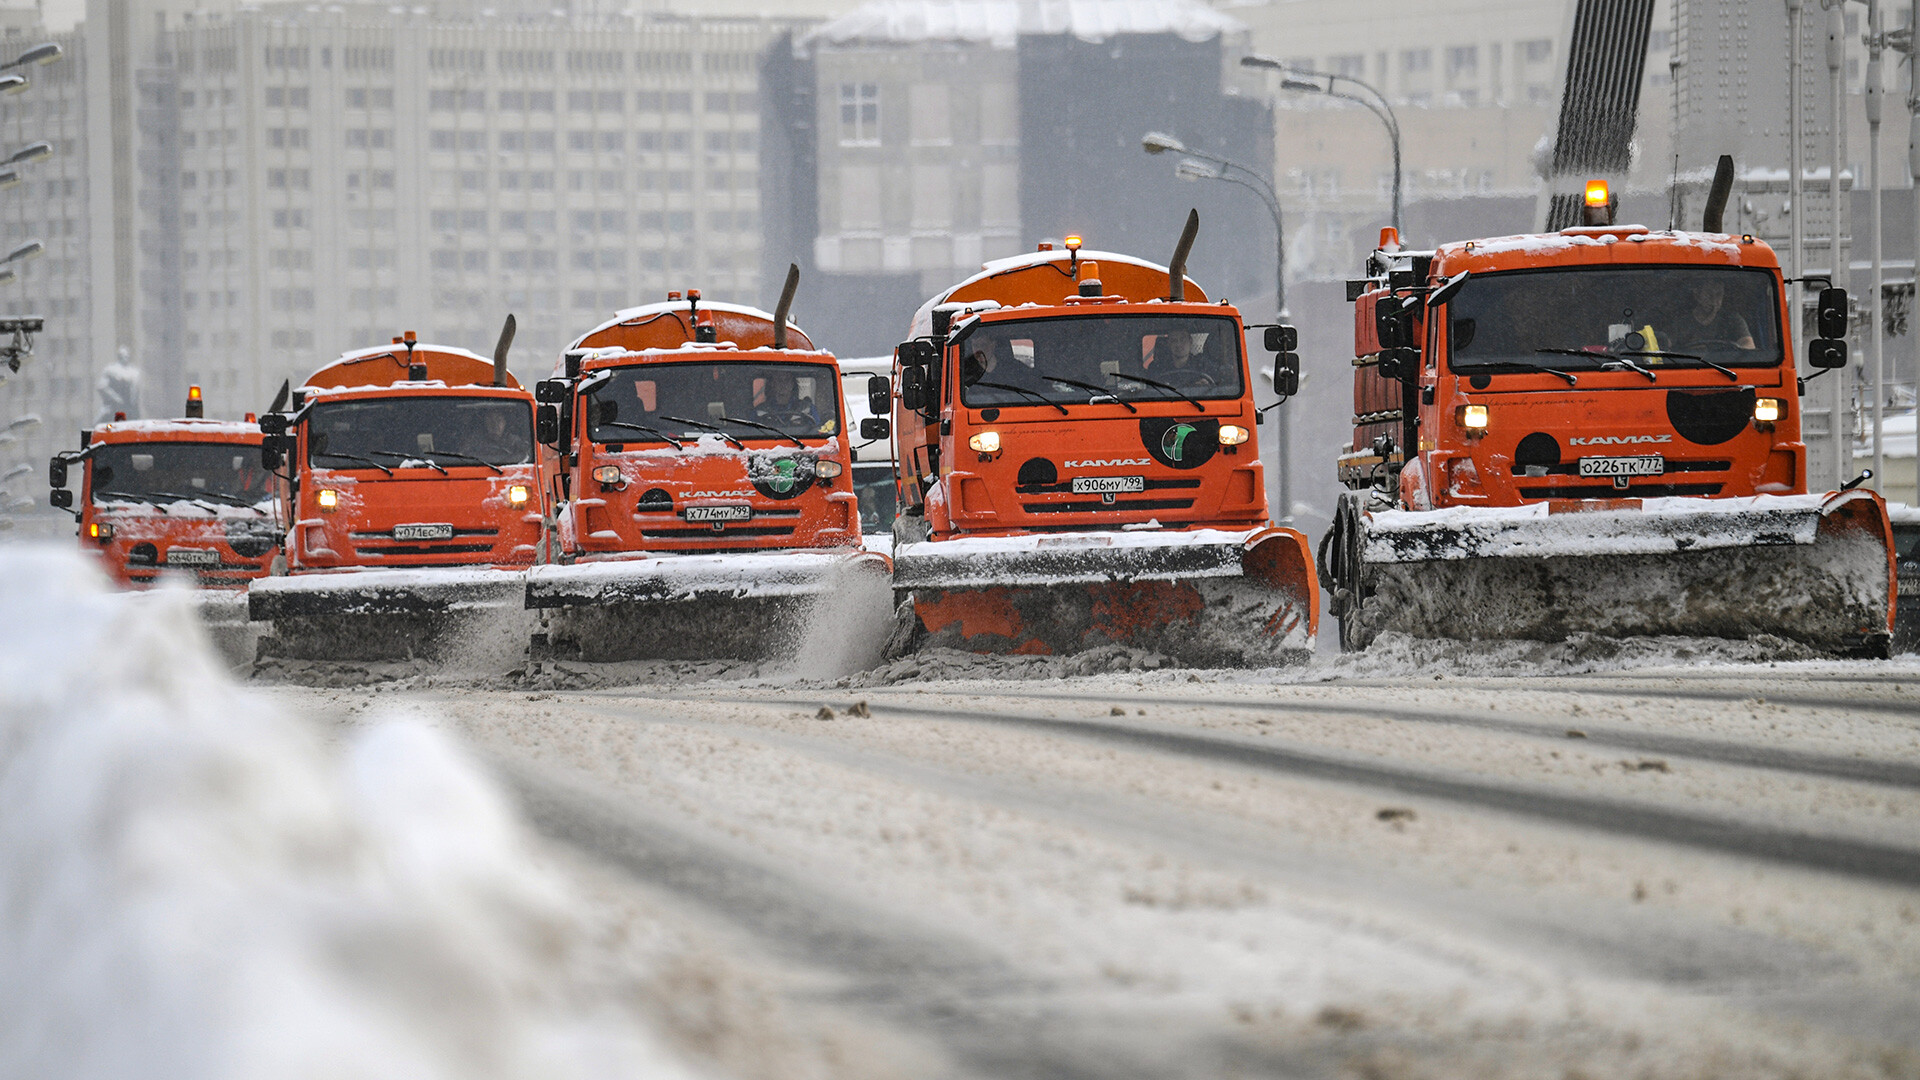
x=1709, y=321
x=1178, y=359
x=783, y=406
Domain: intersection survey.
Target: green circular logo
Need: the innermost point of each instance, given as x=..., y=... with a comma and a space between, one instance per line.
x=1174, y=443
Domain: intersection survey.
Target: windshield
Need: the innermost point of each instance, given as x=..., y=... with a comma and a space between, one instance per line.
x=1579, y=319
x=217, y=473
x=677, y=402
x=873, y=484
x=1123, y=357
x=444, y=431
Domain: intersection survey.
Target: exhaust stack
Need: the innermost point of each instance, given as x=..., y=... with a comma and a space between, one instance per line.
x=500, y=352
x=786, y=305
x=1177, y=270
x=1714, y=219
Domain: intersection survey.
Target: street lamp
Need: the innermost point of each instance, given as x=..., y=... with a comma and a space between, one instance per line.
x=45, y=53
x=1308, y=82
x=30, y=153
x=13, y=84
x=1200, y=165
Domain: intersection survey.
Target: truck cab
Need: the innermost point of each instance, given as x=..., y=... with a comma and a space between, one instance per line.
x=680, y=427
x=408, y=455
x=1600, y=362
x=187, y=495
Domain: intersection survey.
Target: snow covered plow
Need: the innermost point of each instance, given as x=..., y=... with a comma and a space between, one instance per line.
x=1809, y=568
x=739, y=605
x=386, y=614
x=1206, y=597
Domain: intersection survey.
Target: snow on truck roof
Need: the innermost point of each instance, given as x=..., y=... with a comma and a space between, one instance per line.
x=625, y=315
x=183, y=426
x=448, y=365
x=923, y=318
x=1615, y=243
x=1001, y=23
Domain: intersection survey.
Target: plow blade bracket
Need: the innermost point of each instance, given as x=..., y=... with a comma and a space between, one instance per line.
x=384, y=592
x=1817, y=569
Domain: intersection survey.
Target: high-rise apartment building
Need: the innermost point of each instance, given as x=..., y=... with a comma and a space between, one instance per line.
x=315, y=181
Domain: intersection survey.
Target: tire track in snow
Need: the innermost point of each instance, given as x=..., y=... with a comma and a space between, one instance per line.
x=1831, y=854
x=1835, y=766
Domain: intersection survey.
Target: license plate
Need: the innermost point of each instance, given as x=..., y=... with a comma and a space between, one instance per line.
x=1651, y=465
x=192, y=557
x=423, y=532
x=1108, y=485
x=718, y=513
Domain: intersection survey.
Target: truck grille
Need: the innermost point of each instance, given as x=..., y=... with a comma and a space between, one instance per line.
x=1608, y=491
x=1083, y=506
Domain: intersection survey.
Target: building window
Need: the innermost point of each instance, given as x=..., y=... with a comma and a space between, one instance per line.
x=1463, y=61
x=1538, y=51
x=859, y=114
x=1414, y=61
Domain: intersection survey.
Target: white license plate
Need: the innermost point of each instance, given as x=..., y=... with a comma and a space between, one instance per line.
x=192, y=557
x=1650, y=465
x=423, y=532
x=718, y=513
x=1108, y=485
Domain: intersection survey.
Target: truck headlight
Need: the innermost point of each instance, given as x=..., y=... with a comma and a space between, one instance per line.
x=1473, y=417
x=608, y=475
x=1767, y=409
x=517, y=495
x=987, y=442
x=826, y=469
x=99, y=530
x=328, y=499
x=1232, y=434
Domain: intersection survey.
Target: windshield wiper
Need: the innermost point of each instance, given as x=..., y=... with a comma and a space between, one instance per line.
x=1722, y=368
x=404, y=458
x=458, y=456
x=1098, y=391
x=1034, y=394
x=677, y=444
x=233, y=500
x=702, y=424
x=355, y=457
x=1169, y=387
x=762, y=427
x=143, y=496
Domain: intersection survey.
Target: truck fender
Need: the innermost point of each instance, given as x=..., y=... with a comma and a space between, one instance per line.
x=1415, y=491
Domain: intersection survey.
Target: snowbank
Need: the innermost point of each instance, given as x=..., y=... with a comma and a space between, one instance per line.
x=192, y=885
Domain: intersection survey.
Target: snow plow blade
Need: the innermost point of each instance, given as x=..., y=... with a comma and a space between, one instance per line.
x=382, y=614
x=1817, y=569
x=739, y=606
x=1210, y=598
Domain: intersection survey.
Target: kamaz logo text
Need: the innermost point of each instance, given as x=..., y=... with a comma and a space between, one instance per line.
x=1101, y=464
x=716, y=494
x=1618, y=440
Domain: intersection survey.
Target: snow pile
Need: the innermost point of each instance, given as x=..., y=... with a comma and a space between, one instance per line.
x=1394, y=654
x=193, y=886
x=1001, y=23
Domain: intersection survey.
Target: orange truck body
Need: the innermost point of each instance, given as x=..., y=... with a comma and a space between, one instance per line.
x=683, y=488
x=1063, y=516
x=222, y=530
x=414, y=500
x=1643, y=377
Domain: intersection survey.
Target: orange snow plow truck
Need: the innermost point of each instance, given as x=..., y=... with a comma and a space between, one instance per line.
x=1078, y=468
x=1595, y=431
x=186, y=495
x=413, y=499
x=703, y=479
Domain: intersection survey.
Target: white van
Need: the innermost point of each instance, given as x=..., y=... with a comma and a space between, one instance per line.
x=872, y=462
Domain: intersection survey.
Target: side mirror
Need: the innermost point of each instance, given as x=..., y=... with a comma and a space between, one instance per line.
x=1393, y=324
x=1445, y=292
x=1282, y=339
x=546, y=424
x=1830, y=314
x=273, y=423
x=550, y=391
x=1827, y=353
x=270, y=457
x=1286, y=373
x=913, y=387
x=61, y=498
x=879, y=396
x=57, y=473
x=875, y=428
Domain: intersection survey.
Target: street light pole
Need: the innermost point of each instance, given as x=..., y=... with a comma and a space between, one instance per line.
x=1191, y=168
x=1292, y=78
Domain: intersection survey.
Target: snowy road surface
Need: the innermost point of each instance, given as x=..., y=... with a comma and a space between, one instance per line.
x=1707, y=871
